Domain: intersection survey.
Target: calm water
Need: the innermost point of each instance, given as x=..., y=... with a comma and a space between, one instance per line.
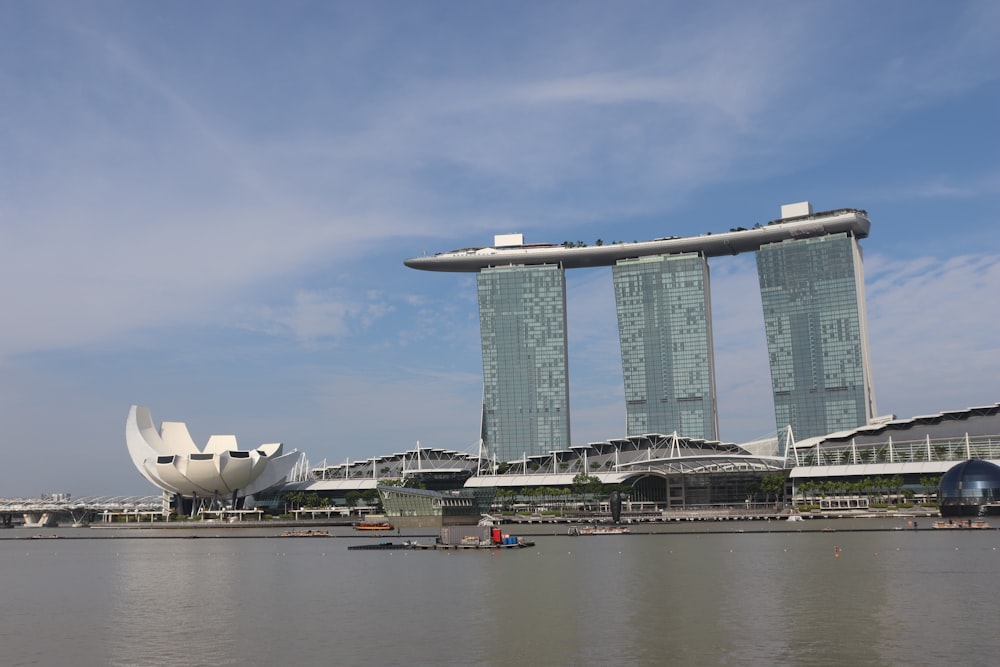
x=729, y=598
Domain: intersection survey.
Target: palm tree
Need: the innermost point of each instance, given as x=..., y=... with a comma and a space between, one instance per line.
x=803, y=489
x=896, y=483
x=809, y=489
x=772, y=484
x=929, y=483
x=869, y=485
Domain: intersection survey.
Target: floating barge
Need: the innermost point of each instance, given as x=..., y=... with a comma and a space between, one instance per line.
x=597, y=530
x=513, y=543
x=379, y=546
x=520, y=543
x=965, y=524
x=484, y=536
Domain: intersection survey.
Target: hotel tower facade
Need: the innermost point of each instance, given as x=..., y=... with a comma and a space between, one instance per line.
x=522, y=325
x=665, y=329
x=813, y=295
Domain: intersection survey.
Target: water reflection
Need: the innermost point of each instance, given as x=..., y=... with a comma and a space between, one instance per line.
x=170, y=594
x=896, y=597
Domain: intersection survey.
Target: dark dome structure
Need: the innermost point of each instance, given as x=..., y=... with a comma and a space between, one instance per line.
x=970, y=488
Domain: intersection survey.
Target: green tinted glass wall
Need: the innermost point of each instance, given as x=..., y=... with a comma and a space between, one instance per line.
x=665, y=329
x=812, y=292
x=522, y=323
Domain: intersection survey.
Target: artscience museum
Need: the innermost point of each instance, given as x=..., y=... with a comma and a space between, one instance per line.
x=202, y=478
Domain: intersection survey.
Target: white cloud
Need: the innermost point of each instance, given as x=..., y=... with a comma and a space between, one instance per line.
x=931, y=321
x=166, y=208
x=316, y=318
x=946, y=186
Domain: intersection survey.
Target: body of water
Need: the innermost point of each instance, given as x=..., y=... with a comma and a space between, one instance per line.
x=706, y=594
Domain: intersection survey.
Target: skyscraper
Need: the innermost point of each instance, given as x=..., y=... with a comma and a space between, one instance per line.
x=812, y=291
x=522, y=316
x=665, y=328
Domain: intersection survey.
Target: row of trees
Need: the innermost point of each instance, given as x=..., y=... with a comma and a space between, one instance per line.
x=586, y=488
x=768, y=487
x=300, y=499
x=884, y=487
x=581, y=244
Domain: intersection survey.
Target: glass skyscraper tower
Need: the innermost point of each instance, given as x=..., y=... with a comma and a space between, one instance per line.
x=522, y=324
x=812, y=291
x=665, y=329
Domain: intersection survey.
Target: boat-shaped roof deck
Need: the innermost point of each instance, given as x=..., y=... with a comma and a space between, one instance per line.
x=733, y=242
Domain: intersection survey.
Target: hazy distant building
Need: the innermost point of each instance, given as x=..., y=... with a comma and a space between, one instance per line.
x=522, y=323
x=812, y=291
x=665, y=329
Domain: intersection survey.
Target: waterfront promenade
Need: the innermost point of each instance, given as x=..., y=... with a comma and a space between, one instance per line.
x=648, y=523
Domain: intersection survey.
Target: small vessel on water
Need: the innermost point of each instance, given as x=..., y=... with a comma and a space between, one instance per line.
x=963, y=524
x=306, y=533
x=373, y=525
x=484, y=536
x=380, y=546
x=597, y=530
x=508, y=543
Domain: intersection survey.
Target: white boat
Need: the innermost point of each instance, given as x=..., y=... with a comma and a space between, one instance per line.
x=597, y=530
x=964, y=523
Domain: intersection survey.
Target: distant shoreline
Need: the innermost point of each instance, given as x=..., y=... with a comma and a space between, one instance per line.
x=680, y=524
x=635, y=522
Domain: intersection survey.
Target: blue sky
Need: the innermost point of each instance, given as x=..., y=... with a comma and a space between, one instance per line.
x=204, y=207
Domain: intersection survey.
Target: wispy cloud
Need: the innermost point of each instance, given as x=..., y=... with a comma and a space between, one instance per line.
x=927, y=327
x=316, y=318
x=940, y=186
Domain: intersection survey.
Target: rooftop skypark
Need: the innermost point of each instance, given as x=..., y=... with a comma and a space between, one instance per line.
x=510, y=249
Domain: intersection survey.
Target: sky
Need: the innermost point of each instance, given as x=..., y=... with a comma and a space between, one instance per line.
x=205, y=207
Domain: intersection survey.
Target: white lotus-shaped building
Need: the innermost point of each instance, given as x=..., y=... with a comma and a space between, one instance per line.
x=170, y=459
